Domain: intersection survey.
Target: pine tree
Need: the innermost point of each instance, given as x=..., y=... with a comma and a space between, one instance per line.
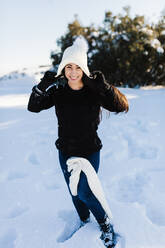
x=129, y=51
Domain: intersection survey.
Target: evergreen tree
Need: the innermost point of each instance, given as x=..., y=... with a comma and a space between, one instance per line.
x=129, y=51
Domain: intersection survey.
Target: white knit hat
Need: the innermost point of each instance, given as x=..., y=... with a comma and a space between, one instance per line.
x=77, y=54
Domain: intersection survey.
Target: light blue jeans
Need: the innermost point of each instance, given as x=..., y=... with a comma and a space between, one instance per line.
x=85, y=201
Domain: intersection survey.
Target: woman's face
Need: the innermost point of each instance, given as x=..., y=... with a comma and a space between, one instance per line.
x=73, y=73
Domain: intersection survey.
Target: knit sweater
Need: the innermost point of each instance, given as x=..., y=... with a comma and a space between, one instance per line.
x=77, y=112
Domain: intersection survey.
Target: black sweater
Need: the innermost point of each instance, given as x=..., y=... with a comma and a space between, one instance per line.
x=78, y=116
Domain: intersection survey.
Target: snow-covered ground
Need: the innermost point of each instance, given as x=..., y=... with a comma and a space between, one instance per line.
x=35, y=207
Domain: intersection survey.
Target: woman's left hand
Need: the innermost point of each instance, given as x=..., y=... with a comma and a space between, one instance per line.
x=96, y=81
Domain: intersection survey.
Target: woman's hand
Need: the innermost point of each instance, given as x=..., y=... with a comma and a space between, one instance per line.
x=47, y=80
x=96, y=81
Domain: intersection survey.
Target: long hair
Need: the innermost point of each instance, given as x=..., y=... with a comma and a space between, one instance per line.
x=119, y=101
x=120, y=104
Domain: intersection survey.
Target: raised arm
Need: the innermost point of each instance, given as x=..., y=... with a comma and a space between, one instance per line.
x=39, y=100
x=109, y=96
x=42, y=94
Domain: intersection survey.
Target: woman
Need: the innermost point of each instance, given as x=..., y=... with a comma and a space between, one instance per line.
x=78, y=96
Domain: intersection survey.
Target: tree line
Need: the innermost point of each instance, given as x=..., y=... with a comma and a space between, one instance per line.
x=129, y=50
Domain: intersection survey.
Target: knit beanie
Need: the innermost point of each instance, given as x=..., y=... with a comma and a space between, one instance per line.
x=77, y=54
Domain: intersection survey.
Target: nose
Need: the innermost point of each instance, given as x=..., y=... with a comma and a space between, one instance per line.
x=73, y=72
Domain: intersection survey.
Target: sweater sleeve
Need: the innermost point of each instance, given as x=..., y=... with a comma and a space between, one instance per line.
x=40, y=100
x=113, y=100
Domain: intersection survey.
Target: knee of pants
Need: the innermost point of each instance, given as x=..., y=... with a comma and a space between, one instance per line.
x=85, y=195
x=84, y=192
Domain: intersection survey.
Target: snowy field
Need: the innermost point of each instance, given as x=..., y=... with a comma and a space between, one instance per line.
x=35, y=207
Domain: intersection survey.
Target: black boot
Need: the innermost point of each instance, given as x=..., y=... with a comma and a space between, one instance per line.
x=85, y=220
x=108, y=235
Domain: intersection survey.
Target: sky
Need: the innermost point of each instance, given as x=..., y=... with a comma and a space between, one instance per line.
x=29, y=29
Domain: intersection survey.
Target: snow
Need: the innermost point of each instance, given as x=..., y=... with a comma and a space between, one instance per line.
x=146, y=30
x=36, y=209
x=33, y=71
x=125, y=37
x=163, y=32
x=155, y=43
x=117, y=21
x=160, y=50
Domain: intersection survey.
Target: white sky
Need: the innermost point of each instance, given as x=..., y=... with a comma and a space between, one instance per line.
x=29, y=28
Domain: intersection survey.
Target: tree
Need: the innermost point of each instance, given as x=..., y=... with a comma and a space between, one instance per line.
x=129, y=51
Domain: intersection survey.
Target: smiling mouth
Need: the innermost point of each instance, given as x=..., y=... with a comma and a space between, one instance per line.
x=73, y=78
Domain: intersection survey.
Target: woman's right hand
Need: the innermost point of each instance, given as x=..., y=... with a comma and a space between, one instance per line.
x=47, y=80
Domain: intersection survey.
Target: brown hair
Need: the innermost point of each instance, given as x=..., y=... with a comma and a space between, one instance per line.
x=119, y=104
x=119, y=101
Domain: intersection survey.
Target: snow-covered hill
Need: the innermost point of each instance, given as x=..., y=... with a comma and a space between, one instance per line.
x=36, y=210
x=33, y=71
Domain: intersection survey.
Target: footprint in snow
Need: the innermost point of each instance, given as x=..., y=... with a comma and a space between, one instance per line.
x=17, y=211
x=13, y=175
x=51, y=185
x=72, y=224
x=32, y=158
x=147, y=190
x=129, y=189
x=155, y=197
x=140, y=147
x=155, y=212
x=7, y=239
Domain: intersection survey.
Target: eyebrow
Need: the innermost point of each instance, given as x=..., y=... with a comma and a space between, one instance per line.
x=71, y=65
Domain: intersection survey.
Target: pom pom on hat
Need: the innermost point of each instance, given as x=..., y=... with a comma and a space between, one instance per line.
x=81, y=43
x=77, y=54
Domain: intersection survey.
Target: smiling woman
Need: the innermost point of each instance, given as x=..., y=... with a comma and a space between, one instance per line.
x=74, y=75
x=77, y=104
